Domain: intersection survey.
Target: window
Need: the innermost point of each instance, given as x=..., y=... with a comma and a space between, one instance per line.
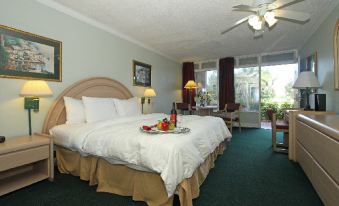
x=206, y=76
x=246, y=85
x=276, y=83
x=265, y=79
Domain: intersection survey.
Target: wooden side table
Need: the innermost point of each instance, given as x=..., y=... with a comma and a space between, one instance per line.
x=206, y=110
x=25, y=160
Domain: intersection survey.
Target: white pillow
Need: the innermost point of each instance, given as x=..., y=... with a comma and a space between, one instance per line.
x=127, y=107
x=75, y=111
x=99, y=109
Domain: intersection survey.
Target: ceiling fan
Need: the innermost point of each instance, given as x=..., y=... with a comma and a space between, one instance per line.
x=266, y=11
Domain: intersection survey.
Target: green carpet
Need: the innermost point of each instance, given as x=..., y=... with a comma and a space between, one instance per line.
x=247, y=174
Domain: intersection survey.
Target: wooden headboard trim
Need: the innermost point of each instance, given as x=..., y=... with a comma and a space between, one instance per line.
x=93, y=87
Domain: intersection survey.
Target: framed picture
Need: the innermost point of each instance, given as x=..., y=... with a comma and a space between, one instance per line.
x=336, y=56
x=310, y=63
x=25, y=55
x=141, y=74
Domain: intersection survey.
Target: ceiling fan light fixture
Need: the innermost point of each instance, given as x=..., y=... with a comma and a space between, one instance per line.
x=270, y=18
x=253, y=20
x=258, y=25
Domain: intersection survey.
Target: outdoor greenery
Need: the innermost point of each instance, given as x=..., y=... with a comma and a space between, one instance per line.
x=276, y=88
x=211, y=86
x=246, y=83
x=277, y=107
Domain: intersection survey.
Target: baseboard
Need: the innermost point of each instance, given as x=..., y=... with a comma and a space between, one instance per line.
x=247, y=125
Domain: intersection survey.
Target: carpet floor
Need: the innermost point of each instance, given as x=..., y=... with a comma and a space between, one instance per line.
x=248, y=173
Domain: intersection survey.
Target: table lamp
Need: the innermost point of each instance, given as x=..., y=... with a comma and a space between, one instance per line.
x=149, y=92
x=190, y=85
x=32, y=90
x=306, y=80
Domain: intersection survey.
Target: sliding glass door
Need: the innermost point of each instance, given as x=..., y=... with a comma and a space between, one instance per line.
x=276, y=88
x=265, y=81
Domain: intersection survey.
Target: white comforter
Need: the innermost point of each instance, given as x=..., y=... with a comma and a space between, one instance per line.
x=174, y=156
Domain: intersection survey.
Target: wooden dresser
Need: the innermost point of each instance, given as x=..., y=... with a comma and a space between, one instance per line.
x=24, y=161
x=317, y=151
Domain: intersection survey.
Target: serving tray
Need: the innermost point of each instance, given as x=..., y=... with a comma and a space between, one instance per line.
x=177, y=130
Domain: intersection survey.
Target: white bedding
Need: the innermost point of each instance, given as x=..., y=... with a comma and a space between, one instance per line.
x=174, y=156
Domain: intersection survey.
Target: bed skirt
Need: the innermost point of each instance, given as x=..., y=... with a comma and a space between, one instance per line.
x=122, y=180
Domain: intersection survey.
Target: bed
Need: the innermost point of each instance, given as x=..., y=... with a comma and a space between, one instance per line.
x=119, y=159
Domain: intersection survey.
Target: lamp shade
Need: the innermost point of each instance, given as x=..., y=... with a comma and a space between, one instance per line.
x=149, y=92
x=191, y=85
x=36, y=88
x=306, y=80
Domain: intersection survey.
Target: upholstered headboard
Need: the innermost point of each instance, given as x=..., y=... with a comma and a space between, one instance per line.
x=92, y=87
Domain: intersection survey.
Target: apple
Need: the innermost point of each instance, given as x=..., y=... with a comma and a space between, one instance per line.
x=171, y=126
x=164, y=126
x=159, y=125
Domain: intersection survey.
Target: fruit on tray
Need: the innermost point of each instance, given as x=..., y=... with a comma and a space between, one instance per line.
x=165, y=125
x=171, y=126
x=146, y=128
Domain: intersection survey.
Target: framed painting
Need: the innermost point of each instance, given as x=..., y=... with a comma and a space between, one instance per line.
x=141, y=74
x=310, y=63
x=336, y=56
x=24, y=55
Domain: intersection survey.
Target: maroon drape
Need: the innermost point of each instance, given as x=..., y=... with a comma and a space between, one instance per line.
x=187, y=74
x=226, y=81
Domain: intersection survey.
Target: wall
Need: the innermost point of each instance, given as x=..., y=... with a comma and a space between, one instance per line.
x=322, y=42
x=87, y=52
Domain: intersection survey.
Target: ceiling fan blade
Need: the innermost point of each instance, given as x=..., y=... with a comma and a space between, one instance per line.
x=242, y=7
x=280, y=3
x=293, y=15
x=236, y=24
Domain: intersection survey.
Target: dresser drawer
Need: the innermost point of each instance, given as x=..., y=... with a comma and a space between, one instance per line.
x=22, y=157
x=305, y=160
x=323, y=148
x=327, y=189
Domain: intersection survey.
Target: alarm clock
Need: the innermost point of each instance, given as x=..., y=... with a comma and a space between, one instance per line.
x=2, y=139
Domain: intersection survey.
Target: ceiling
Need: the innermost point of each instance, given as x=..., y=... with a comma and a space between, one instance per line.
x=189, y=30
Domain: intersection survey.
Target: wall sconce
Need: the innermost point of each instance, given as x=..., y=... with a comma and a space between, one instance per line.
x=149, y=92
x=32, y=90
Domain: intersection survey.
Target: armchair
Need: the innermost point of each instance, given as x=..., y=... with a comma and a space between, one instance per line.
x=182, y=107
x=230, y=114
x=278, y=126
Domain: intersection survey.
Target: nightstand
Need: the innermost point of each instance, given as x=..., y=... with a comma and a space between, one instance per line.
x=25, y=160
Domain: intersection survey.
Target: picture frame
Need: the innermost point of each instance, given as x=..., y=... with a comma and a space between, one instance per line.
x=336, y=55
x=24, y=55
x=142, y=74
x=310, y=63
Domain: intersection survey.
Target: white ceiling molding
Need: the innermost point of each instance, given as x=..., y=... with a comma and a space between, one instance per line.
x=61, y=8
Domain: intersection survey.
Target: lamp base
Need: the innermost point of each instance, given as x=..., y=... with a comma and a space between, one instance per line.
x=142, y=104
